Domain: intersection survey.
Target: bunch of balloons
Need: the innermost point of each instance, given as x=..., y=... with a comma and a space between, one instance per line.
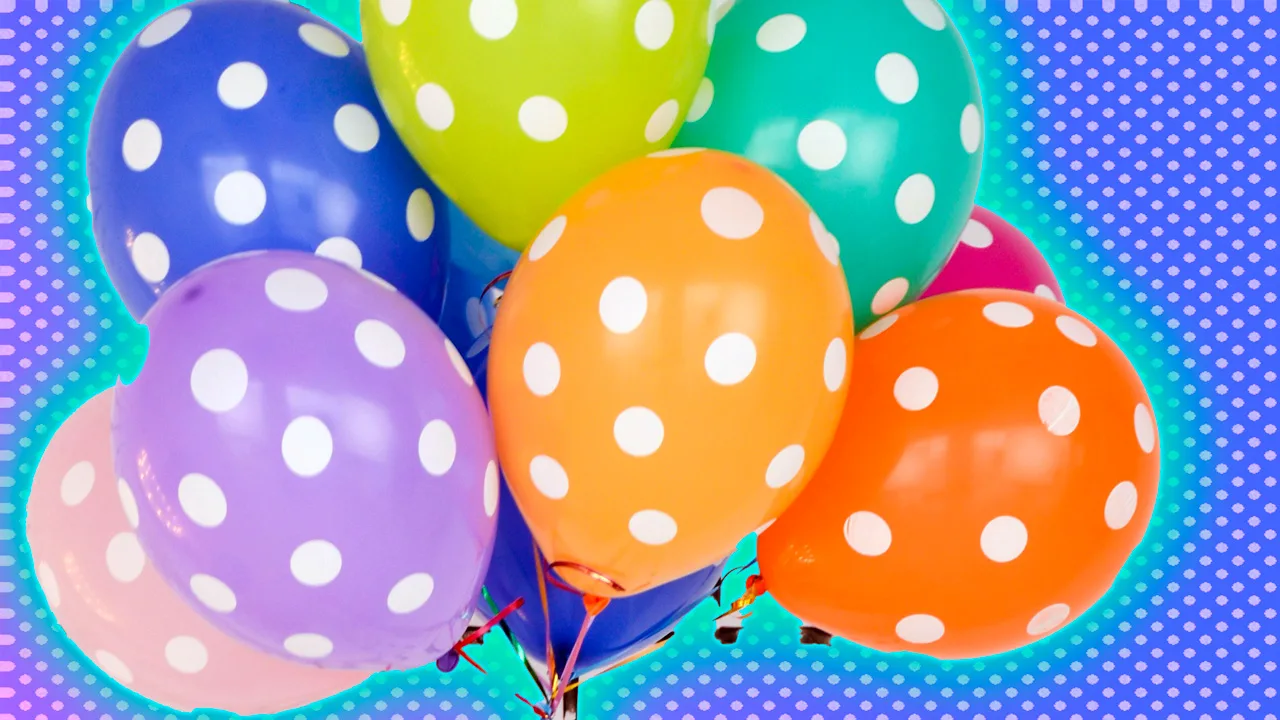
x=527, y=319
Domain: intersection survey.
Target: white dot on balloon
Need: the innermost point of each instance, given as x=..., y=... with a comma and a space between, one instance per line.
x=377, y=280
x=914, y=199
x=242, y=85
x=1003, y=539
x=971, y=128
x=125, y=558
x=1046, y=292
x=49, y=583
x=315, y=563
x=638, y=431
x=459, y=364
x=164, y=27
x=186, y=654
x=623, y=305
x=541, y=369
x=784, y=467
x=879, y=326
x=977, y=235
x=928, y=13
x=410, y=593
x=420, y=215
x=675, y=152
x=1059, y=410
x=491, y=488
x=307, y=446
x=1076, y=331
x=77, y=483
x=356, y=128
x=212, y=593
x=1145, y=427
x=219, y=380
x=827, y=243
x=548, y=238
x=822, y=145
x=732, y=213
x=549, y=477
x=150, y=257
x=889, y=296
x=141, y=146
x=493, y=19
x=341, y=250
x=1122, y=503
x=654, y=23
x=781, y=33
x=437, y=447
x=295, y=289
x=202, y=500
x=395, y=12
x=113, y=666
x=920, y=629
x=1048, y=619
x=323, y=40
x=1008, y=314
x=542, y=118
x=730, y=359
x=128, y=503
x=652, y=527
x=897, y=78
x=309, y=646
x=435, y=107
x=661, y=121
x=701, y=100
x=379, y=343
x=833, y=364
x=916, y=388
x=867, y=533
x=240, y=197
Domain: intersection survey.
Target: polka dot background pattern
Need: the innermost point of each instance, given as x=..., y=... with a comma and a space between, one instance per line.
x=1131, y=139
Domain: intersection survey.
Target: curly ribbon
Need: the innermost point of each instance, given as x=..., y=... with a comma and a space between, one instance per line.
x=715, y=592
x=492, y=283
x=755, y=588
x=473, y=638
x=594, y=605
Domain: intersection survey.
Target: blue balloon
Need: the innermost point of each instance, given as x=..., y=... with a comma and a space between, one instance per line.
x=235, y=125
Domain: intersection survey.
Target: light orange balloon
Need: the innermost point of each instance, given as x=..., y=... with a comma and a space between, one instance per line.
x=667, y=367
x=996, y=464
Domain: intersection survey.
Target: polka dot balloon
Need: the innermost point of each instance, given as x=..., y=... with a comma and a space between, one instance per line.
x=992, y=253
x=234, y=125
x=996, y=464
x=312, y=462
x=667, y=367
x=871, y=110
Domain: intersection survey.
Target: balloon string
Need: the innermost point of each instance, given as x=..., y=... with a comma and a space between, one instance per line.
x=474, y=636
x=656, y=646
x=546, y=615
x=755, y=588
x=715, y=592
x=515, y=645
x=594, y=606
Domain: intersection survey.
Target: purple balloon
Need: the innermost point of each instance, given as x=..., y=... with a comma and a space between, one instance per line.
x=314, y=465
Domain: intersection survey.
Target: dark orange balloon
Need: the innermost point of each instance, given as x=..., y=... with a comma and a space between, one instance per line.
x=996, y=463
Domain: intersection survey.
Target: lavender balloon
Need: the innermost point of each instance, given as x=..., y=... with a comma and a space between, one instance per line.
x=313, y=462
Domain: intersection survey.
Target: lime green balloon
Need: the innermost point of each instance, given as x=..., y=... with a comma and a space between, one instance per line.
x=871, y=110
x=512, y=105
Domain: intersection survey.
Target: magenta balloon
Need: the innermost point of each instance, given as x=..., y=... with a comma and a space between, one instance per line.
x=314, y=464
x=994, y=254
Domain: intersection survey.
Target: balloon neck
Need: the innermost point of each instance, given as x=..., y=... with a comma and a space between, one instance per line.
x=584, y=580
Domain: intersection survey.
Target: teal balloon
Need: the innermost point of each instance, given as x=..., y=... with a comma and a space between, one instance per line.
x=871, y=110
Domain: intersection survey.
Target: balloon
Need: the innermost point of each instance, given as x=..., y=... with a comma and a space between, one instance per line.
x=667, y=367
x=513, y=108
x=113, y=604
x=871, y=110
x=233, y=125
x=314, y=463
x=627, y=626
x=996, y=464
x=994, y=254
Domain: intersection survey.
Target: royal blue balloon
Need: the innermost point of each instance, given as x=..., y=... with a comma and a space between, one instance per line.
x=235, y=125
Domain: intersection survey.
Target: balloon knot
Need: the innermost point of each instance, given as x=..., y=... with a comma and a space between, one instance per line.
x=755, y=588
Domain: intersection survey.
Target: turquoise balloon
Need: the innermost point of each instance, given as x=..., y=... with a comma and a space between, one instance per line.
x=871, y=110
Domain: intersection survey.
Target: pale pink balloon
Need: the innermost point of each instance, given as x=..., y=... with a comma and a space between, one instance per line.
x=112, y=603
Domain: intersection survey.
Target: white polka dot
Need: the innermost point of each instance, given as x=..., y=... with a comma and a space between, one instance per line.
x=977, y=235
x=1122, y=503
x=437, y=447
x=77, y=483
x=341, y=250
x=732, y=213
x=623, y=305
x=377, y=280
x=164, y=27
x=493, y=19
x=717, y=12
x=549, y=477
x=916, y=388
x=356, y=128
x=867, y=533
x=420, y=215
x=1048, y=619
x=380, y=344
x=1059, y=410
x=822, y=145
x=652, y=527
x=662, y=119
x=701, y=100
x=213, y=593
x=541, y=369
x=88, y=201
x=833, y=364
x=1076, y=331
x=295, y=290
x=307, y=446
x=242, y=85
x=781, y=33
x=765, y=526
x=1003, y=539
x=315, y=563
x=638, y=431
x=654, y=23
x=1046, y=292
x=971, y=128
x=412, y=592
x=730, y=358
x=1008, y=314
x=542, y=118
x=395, y=12
x=458, y=363
x=128, y=503
x=125, y=558
x=914, y=199
x=890, y=295
x=323, y=40
x=150, y=257
x=1145, y=427
x=141, y=146
x=920, y=629
x=548, y=238
x=827, y=243
x=186, y=654
x=490, y=488
x=113, y=666
x=435, y=107
x=674, y=152
x=219, y=380
x=784, y=467
x=310, y=646
x=240, y=197
x=202, y=500
x=879, y=326
x=897, y=78
x=928, y=13
x=49, y=584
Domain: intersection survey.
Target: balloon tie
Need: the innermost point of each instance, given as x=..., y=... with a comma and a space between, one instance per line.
x=755, y=588
x=598, y=577
x=473, y=637
x=594, y=605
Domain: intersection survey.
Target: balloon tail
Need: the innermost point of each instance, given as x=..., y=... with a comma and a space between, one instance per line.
x=755, y=588
x=594, y=606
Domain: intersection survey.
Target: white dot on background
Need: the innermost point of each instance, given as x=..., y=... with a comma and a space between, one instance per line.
x=781, y=33
x=928, y=13
x=186, y=654
x=493, y=19
x=867, y=533
x=219, y=380
x=833, y=364
x=164, y=27
x=240, y=197
x=897, y=78
x=916, y=388
x=1048, y=619
x=309, y=646
x=420, y=215
x=623, y=305
x=638, y=431
x=879, y=326
x=242, y=85
x=202, y=500
x=977, y=235
x=661, y=121
x=125, y=558
x=49, y=583
x=542, y=118
x=213, y=593
x=141, y=146
x=541, y=369
x=654, y=24
x=307, y=446
x=549, y=477
x=1003, y=539
x=150, y=257
x=341, y=250
x=323, y=40
x=356, y=128
x=395, y=12
x=77, y=483
x=652, y=527
x=701, y=100
x=827, y=243
x=437, y=447
x=491, y=488
x=784, y=467
x=1122, y=503
x=1076, y=331
x=459, y=364
x=411, y=593
x=295, y=289
x=730, y=358
x=128, y=503
x=1059, y=410
x=1145, y=427
x=547, y=238
x=315, y=563
x=914, y=199
x=920, y=629
x=971, y=128
x=890, y=295
x=113, y=666
x=379, y=343
x=1046, y=292
x=435, y=107
x=822, y=145
x=1008, y=314
x=732, y=213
